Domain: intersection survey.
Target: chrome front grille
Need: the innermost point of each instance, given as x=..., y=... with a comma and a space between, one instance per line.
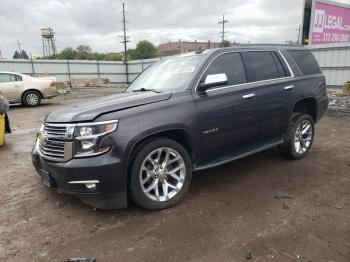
x=53, y=142
x=55, y=130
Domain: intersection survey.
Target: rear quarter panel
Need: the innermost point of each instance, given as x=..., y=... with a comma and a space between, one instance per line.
x=41, y=85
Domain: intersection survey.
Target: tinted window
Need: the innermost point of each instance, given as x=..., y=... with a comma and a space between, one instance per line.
x=5, y=78
x=263, y=65
x=281, y=66
x=305, y=61
x=232, y=65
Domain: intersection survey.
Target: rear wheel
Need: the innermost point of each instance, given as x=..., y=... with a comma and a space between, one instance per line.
x=299, y=137
x=31, y=98
x=160, y=174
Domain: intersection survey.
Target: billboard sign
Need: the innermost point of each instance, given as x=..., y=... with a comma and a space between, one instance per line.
x=330, y=23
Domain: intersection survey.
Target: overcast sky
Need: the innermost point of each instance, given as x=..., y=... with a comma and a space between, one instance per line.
x=98, y=23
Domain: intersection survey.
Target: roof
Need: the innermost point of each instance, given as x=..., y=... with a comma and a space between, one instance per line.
x=8, y=72
x=262, y=47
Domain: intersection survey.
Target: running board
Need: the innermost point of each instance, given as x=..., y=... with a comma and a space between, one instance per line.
x=230, y=159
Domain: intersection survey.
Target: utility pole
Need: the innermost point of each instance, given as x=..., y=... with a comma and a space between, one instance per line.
x=19, y=46
x=223, y=22
x=299, y=28
x=125, y=49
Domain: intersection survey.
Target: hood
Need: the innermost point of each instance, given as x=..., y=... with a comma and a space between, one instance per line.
x=88, y=111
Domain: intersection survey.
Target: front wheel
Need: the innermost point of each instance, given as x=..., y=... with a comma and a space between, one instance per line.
x=299, y=136
x=160, y=174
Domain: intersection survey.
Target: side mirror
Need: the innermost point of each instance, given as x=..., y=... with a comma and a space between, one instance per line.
x=213, y=80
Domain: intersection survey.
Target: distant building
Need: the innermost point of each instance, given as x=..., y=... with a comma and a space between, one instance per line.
x=174, y=48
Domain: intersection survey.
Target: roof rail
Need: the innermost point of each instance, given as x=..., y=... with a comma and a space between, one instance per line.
x=262, y=45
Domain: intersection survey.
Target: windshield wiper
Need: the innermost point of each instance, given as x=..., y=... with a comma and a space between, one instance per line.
x=145, y=90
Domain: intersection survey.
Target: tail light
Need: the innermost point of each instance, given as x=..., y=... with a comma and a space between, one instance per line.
x=53, y=84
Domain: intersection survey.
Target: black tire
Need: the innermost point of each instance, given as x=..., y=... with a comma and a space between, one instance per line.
x=31, y=98
x=137, y=160
x=289, y=148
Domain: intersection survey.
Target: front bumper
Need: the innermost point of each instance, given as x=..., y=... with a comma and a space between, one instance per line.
x=110, y=191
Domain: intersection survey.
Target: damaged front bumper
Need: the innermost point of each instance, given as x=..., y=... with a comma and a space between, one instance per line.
x=97, y=181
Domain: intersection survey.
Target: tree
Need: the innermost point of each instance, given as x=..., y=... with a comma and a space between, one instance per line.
x=131, y=54
x=16, y=55
x=22, y=55
x=144, y=50
x=113, y=57
x=83, y=52
x=226, y=43
x=67, y=53
x=84, y=49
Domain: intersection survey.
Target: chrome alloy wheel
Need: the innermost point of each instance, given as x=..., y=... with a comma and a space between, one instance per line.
x=162, y=174
x=303, y=137
x=32, y=99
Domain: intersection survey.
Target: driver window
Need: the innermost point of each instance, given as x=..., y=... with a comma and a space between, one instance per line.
x=231, y=64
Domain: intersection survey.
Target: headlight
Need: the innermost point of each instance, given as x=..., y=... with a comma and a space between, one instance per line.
x=88, y=137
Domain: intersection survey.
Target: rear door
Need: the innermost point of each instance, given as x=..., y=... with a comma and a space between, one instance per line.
x=10, y=86
x=272, y=77
x=227, y=113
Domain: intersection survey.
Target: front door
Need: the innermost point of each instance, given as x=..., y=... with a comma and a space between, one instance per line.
x=227, y=114
x=10, y=86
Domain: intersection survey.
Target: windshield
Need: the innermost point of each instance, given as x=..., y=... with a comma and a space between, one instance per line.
x=169, y=75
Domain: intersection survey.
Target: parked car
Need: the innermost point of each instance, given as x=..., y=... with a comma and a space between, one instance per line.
x=184, y=113
x=20, y=88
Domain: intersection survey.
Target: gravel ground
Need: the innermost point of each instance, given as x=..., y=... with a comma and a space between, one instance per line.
x=339, y=105
x=231, y=213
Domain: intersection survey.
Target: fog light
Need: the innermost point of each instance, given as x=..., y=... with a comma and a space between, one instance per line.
x=89, y=184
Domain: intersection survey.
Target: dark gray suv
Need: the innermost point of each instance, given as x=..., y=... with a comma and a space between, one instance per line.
x=184, y=113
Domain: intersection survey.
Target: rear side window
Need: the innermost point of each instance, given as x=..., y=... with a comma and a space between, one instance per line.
x=263, y=65
x=281, y=65
x=17, y=78
x=305, y=61
x=231, y=64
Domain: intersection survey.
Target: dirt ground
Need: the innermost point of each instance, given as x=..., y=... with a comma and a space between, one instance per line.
x=229, y=214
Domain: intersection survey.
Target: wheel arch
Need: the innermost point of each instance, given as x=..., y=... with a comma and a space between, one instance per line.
x=307, y=105
x=180, y=135
x=32, y=89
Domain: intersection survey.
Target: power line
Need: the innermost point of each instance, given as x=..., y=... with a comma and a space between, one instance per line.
x=125, y=49
x=19, y=46
x=299, y=28
x=223, y=22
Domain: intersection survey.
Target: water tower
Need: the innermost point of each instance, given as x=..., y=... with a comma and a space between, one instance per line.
x=48, y=37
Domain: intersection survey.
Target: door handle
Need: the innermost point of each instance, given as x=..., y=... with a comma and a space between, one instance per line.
x=248, y=96
x=17, y=86
x=289, y=87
